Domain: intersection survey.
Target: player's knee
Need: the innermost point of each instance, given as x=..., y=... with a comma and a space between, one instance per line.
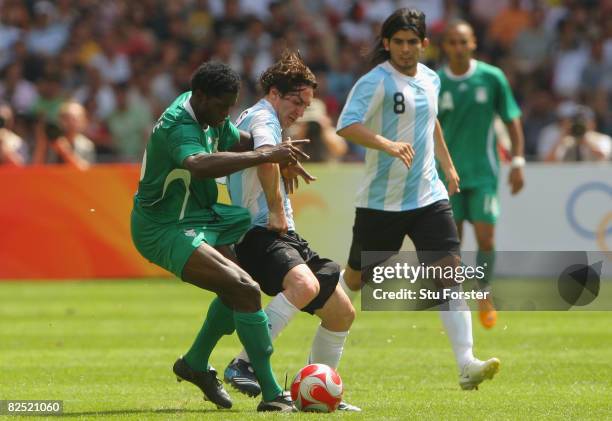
x=486, y=244
x=250, y=291
x=244, y=293
x=450, y=261
x=303, y=285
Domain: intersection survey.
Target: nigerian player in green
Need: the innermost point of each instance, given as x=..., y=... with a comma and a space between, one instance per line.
x=178, y=224
x=472, y=93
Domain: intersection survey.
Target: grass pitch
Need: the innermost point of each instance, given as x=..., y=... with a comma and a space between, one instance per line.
x=106, y=349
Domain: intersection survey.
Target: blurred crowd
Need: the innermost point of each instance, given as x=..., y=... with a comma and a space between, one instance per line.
x=83, y=81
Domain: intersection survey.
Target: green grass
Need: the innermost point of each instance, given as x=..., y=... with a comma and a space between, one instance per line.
x=106, y=349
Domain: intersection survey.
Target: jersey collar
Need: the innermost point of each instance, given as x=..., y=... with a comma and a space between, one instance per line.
x=389, y=67
x=189, y=109
x=470, y=72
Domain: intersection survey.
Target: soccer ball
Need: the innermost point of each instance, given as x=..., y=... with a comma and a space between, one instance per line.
x=317, y=388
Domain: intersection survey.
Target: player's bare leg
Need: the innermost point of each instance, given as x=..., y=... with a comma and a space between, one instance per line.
x=350, y=281
x=238, y=306
x=459, y=224
x=208, y=269
x=300, y=287
x=485, y=236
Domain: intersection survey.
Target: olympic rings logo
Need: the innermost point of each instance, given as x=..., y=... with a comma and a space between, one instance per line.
x=604, y=227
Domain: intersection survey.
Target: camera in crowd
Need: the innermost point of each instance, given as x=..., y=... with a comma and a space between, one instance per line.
x=580, y=121
x=53, y=131
x=578, y=128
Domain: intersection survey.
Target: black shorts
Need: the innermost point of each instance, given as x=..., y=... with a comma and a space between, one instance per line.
x=431, y=228
x=267, y=256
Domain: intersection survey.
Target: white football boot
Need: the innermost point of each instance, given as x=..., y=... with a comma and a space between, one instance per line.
x=476, y=371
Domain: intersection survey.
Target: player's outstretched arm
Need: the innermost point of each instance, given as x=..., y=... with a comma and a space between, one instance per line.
x=445, y=160
x=360, y=134
x=220, y=164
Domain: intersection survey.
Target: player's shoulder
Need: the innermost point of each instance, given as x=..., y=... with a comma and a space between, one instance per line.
x=428, y=74
x=178, y=114
x=375, y=76
x=260, y=113
x=489, y=70
x=427, y=71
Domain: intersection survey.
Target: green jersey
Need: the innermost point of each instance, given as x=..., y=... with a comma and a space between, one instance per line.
x=167, y=193
x=467, y=107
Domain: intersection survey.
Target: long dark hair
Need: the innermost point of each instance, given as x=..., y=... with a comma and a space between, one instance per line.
x=404, y=18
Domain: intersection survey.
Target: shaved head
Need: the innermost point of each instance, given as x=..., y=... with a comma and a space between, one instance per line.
x=459, y=26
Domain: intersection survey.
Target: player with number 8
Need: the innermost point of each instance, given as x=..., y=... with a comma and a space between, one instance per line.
x=392, y=111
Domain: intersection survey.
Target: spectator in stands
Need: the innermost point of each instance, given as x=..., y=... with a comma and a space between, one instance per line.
x=51, y=96
x=578, y=140
x=17, y=91
x=47, y=35
x=129, y=126
x=158, y=48
x=571, y=53
x=539, y=113
x=316, y=125
x=549, y=135
x=13, y=150
x=597, y=73
x=508, y=24
x=13, y=21
x=113, y=65
x=232, y=22
x=99, y=91
x=64, y=142
x=531, y=48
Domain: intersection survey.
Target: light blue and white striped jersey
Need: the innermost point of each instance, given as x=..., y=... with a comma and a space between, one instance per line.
x=243, y=186
x=402, y=109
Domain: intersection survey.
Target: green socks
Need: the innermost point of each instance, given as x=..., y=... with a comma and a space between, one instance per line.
x=219, y=321
x=253, y=331
x=487, y=260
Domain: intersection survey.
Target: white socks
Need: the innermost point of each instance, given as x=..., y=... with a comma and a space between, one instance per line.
x=457, y=320
x=327, y=347
x=280, y=311
x=349, y=292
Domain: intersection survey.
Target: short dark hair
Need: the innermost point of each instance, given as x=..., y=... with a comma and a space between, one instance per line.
x=401, y=19
x=215, y=79
x=288, y=74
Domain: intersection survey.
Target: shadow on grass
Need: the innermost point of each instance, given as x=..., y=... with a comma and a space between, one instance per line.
x=148, y=411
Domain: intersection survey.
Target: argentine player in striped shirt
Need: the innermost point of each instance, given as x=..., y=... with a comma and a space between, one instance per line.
x=272, y=252
x=392, y=111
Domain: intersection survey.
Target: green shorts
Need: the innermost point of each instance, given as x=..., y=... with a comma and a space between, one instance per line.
x=171, y=245
x=479, y=204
